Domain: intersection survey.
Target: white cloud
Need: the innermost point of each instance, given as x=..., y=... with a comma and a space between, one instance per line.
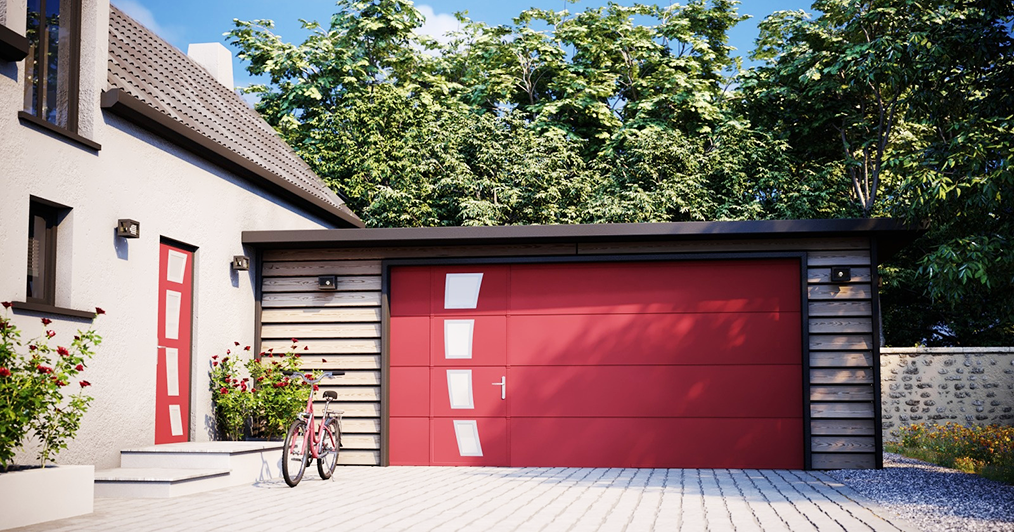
x=437, y=24
x=144, y=15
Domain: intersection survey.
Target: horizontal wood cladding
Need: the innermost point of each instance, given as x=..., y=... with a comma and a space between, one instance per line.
x=839, y=359
x=348, y=283
x=402, y=252
x=841, y=460
x=321, y=299
x=320, y=330
x=842, y=427
x=337, y=330
x=314, y=268
x=724, y=246
x=841, y=393
x=840, y=328
x=839, y=342
x=320, y=315
x=843, y=444
x=838, y=258
x=841, y=376
x=842, y=410
x=351, y=457
x=841, y=325
x=840, y=308
x=838, y=292
x=314, y=347
x=823, y=275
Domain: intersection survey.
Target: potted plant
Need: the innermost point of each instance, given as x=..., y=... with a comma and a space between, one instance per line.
x=255, y=398
x=43, y=396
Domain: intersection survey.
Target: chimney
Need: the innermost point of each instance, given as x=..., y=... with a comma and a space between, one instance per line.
x=215, y=58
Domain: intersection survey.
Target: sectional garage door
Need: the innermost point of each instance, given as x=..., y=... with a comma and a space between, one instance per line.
x=605, y=364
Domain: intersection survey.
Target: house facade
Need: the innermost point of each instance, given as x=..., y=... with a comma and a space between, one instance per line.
x=104, y=124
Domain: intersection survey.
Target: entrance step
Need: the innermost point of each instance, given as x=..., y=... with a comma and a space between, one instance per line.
x=175, y=469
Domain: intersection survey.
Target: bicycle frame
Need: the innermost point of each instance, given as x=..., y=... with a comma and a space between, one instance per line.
x=314, y=434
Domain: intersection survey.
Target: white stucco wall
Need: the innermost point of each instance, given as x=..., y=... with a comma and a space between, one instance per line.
x=172, y=194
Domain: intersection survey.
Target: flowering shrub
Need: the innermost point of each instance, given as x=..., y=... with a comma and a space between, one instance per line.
x=37, y=385
x=987, y=451
x=257, y=396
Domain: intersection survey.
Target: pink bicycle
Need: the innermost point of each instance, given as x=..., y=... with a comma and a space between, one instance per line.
x=305, y=441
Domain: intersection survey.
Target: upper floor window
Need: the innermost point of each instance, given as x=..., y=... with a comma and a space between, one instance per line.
x=53, y=62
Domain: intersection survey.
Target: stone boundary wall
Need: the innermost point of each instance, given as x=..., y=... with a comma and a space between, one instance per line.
x=936, y=385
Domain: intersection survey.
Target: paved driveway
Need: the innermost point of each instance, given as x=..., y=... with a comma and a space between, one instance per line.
x=525, y=499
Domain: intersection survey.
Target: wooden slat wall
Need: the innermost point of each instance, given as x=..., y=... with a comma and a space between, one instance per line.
x=342, y=331
x=842, y=391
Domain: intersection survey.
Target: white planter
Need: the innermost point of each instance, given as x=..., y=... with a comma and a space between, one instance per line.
x=38, y=495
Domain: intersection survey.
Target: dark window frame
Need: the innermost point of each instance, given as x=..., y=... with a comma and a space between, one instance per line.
x=39, y=55
x=51, y=214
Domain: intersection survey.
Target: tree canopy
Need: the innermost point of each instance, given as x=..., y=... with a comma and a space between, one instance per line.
x=641, y=113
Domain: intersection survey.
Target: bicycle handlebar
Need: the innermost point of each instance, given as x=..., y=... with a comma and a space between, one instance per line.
x=310, y=380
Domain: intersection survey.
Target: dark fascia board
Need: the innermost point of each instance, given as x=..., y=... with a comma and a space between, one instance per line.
x=891, y=234
x=13, y=45
x=122, y=104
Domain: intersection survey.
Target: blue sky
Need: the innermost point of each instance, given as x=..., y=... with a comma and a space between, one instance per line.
x=182, y=22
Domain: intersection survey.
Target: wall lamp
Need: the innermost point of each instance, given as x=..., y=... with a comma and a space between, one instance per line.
x=327, y=282
x=128, y=228
x=841, y=274
x=241, y=263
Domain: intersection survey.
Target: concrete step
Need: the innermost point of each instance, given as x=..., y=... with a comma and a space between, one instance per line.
x=175, y=469
x=157, y=482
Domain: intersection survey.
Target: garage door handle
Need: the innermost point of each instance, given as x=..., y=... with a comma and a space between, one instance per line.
x=503, y=387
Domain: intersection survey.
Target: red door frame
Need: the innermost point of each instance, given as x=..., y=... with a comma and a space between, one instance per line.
x=172, y=406
x=387, y=264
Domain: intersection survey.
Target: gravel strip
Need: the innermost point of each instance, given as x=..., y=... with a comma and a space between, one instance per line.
x=933, y=498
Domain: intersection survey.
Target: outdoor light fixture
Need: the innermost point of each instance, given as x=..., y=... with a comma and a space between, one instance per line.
x=841, y=274
x=240, y=263
x=128, y=228
x=327, y=282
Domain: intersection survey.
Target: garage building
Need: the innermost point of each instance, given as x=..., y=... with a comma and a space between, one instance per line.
x=698, y=344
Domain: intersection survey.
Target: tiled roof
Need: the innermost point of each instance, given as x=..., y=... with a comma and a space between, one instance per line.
x=148, y=68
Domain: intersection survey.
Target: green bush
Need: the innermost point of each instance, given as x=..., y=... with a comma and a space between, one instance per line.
x=256, y=397
x=33, y=381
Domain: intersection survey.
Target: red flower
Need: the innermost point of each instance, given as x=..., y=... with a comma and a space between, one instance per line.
x=228, y=352
x=50, y=334
x=274, y=362
x=214, y=357
x=309, y=375
x=226, y=359
x=306, y=348
x=6, y=304
x=260, y=378
x=272, y=350
x=32, y=347
x=46, y=321
x=324, y=360
x=237, y=344
x=243, y=387
x=247, y=348
x=245, y=379
x=215, y=363
x=77, y=338
x=79, y=367
x=62, y=351
x=223, y=390
x=98, y=310
x=4, y=372
x=315, y=388
x=43, y=369
x=85, y=384
x=295, y=341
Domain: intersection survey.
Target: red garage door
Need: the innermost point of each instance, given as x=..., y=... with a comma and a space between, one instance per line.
x=629, y=364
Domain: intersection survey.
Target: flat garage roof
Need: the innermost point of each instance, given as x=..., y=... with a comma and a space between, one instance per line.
x=891, y=234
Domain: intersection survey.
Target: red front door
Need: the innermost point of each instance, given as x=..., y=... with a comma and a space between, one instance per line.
x=175, y=307
x=653, y=364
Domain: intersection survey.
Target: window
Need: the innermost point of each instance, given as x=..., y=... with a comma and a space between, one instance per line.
x=42, y=222
x=51, y=68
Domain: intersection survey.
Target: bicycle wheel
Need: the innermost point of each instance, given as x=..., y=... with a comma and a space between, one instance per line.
x=294, y=454
x=329, y=446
